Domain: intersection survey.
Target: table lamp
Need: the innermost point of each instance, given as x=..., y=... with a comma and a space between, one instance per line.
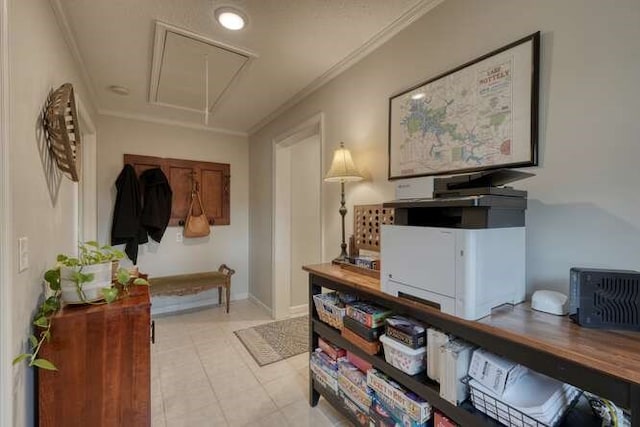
x=342, y=170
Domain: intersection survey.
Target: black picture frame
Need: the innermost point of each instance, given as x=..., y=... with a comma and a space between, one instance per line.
x=521, y=66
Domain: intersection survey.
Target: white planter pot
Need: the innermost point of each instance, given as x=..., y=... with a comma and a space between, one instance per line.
x=92, y=290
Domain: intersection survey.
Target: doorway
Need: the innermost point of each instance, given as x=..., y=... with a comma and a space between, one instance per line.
x=297, y=214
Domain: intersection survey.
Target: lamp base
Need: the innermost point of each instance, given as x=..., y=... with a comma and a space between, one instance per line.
x=341, y=259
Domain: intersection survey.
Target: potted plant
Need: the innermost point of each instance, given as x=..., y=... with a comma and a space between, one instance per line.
x=83, y=278
x=86, y=278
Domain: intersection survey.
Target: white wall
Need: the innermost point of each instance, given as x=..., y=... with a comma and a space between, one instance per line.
x=39, y=62
x=226, y=243
x=306, y=247
x=583, y=203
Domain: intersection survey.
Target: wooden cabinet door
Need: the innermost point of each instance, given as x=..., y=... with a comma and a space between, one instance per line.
x=215, y=192
x=213, y=181
x=181, y=180
x=103, y=356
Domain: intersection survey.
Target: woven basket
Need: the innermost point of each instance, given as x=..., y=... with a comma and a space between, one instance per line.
x=328, y=310
x=63, y=132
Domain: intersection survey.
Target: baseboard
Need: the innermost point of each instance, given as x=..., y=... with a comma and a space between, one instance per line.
x=298, y=310
x=159, y=308
x=260, y=304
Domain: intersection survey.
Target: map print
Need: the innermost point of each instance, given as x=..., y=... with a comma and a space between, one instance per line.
x=461, y=121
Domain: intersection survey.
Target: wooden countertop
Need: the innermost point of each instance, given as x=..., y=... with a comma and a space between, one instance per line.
x=613, y=352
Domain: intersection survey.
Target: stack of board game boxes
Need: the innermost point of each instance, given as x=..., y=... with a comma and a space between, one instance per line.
x=364, y=324
x=369, y=396
x=463, y=371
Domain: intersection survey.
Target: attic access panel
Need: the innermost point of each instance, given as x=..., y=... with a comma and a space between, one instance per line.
x=182, y=61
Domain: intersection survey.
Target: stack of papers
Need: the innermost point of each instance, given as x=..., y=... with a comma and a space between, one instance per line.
x=455, y=357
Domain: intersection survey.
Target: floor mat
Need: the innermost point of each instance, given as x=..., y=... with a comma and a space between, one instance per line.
x=276, y=341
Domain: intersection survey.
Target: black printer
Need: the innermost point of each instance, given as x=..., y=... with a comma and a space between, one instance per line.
x=475, y=200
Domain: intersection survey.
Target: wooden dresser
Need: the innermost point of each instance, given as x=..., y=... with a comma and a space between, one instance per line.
x=102, y=353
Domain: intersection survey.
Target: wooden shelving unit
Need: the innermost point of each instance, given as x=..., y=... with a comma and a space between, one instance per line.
x=549, y=363
x=419, y=384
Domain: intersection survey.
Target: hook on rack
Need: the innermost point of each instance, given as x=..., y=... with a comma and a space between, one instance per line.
x=195, y=185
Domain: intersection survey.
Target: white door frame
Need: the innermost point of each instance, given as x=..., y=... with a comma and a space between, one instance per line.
x=6, y=331
x=87, y=187
x=281, y=223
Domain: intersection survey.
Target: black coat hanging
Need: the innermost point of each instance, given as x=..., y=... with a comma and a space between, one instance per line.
x=126, y=227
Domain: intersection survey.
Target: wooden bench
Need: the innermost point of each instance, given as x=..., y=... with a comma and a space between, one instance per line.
x=189, y=284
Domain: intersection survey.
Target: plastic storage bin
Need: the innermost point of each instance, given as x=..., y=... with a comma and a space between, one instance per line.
x=408, y=360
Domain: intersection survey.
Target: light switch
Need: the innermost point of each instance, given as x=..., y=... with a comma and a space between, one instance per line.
x=179, y=236
x=23, y=254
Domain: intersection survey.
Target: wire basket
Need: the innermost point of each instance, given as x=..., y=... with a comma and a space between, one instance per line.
x=507, y=414
x=330, y=308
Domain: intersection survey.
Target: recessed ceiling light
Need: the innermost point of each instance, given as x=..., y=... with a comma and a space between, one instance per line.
x=120, y=90
x=418, y=95
x=230, y=18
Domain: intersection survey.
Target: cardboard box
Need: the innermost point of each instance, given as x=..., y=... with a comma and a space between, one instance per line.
x=323, y=361
x=354, y=374
x=494, y=372
x=358, y=362
x=417, y=408
x=368, y=314
x=386, y=409
x=353, y=383
x=369, y=334
x=330, y=349
x=379, y=416
x=435, y=340
x=369, y=347
x=360, y=414
x=406, y=331
x=323, y=378
x=455, y=357
x=442, y=421
x=366, y=262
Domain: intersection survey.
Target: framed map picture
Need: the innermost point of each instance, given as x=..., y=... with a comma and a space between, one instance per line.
x=481, y=115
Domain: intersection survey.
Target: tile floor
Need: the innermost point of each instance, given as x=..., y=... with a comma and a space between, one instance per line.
x=201, y=375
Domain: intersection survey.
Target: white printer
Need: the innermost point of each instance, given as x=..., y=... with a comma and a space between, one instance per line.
x=462, y=251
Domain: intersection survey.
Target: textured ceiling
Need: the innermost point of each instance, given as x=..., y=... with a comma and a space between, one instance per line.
x=296, y=42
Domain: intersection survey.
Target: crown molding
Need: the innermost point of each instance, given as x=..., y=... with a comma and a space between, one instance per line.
x=169, y=122
x=354, y=57
x=69, y=38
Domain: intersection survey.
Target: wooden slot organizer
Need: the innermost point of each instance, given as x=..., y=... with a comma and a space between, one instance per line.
x=367, y=223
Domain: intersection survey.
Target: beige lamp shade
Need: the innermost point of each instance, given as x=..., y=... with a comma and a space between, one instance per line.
x=342, y=167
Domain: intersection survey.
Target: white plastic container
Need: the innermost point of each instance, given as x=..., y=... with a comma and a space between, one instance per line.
x=408, y=360
x=92, y=290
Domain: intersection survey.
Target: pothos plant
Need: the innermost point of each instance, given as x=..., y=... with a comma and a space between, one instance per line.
x=89, y=253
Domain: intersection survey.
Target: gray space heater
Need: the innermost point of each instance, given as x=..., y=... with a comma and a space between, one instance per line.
x=605, y=299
